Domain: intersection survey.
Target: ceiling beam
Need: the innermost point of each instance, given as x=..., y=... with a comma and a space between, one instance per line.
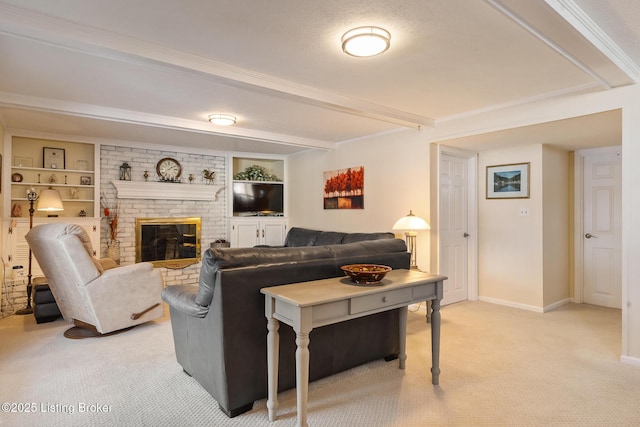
x=575, y=16
x=18, y=22
x=76, y=109
x=561, y=25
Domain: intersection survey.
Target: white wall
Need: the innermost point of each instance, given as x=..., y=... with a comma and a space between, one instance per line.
x=628, y=100
x=510, y=245
x=396, y=179
x=396, y=169
x=556, y=229
x=631, y=227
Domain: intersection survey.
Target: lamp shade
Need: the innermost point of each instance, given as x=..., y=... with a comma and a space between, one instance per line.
x=50, y=201
x=411, y=222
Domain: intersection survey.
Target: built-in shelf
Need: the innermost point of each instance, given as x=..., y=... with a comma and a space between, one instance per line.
x=166, y=190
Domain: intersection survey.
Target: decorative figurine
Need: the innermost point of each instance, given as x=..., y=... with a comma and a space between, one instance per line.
x=16, y=210
x=209, y=176
x=125, y=172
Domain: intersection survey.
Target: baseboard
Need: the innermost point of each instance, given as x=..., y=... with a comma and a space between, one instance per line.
x=628, y=360
x=556, y=305
x=512, y=304
x=525, y=306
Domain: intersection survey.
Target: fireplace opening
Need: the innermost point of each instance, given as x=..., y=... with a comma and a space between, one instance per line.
x=168, y=242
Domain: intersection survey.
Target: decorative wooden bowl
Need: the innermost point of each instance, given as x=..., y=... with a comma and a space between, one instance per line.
x=366, y=274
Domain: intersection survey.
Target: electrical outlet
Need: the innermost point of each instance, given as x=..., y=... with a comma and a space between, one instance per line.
x=524, y=211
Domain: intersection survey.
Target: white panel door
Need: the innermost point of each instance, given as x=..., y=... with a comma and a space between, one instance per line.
x=273, y=233
x=602, y=229
x=453, y=227
x=245, y=234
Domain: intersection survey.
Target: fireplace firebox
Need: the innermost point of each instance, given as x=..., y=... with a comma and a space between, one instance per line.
x=168, y=242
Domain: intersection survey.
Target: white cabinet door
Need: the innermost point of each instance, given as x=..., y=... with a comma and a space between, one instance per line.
x=273, y=233
x=244, y=234
x=249, y=232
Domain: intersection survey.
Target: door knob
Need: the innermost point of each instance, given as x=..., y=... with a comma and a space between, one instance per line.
x=465, y=234
x=589, y=235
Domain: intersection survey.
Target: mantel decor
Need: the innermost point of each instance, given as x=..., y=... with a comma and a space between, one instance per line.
x=255, y=173
x=508, y=181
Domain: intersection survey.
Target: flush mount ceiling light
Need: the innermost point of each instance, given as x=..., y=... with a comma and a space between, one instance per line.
x=366, y=41
x=222, y=119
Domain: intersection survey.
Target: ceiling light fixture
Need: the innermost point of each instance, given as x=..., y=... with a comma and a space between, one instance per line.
x=366, y=41
x=222, y=119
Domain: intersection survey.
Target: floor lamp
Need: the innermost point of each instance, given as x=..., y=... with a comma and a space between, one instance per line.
x=49, y=201
x=411, y=223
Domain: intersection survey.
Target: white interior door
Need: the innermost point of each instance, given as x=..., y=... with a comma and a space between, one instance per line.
x=454, y=227
x=602, y=238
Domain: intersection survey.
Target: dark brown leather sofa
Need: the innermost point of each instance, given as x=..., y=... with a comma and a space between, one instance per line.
x=219, y=327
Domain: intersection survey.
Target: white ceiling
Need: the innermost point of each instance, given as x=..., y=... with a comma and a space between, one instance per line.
x=152, y=70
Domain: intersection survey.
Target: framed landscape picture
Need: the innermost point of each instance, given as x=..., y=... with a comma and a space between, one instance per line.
x=508, y=181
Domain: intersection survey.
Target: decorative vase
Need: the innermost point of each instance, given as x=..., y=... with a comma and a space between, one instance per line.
x=113, y=250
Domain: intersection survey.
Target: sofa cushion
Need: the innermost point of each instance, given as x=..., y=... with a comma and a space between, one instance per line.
x=305, y=237
x=329, y=238
x=243, y=257
x=301, y=237
x=359, y=237
x=368, y=247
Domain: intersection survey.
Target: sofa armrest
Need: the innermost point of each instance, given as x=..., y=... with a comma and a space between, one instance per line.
x=183, y=299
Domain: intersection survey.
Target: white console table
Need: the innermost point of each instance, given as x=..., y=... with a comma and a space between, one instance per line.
x=309, y=305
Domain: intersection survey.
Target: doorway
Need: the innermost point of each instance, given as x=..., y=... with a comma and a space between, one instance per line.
x=456, y=224
x=598, y=227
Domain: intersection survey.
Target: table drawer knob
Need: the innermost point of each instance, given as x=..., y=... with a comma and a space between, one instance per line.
x=384, y=299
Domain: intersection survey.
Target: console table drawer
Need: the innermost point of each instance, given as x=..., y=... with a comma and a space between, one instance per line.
x=380, y=300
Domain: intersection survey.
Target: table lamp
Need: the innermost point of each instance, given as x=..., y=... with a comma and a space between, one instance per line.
x=411, y=223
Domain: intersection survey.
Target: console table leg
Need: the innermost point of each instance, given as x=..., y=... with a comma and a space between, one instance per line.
x=273, y=347
x=302, y=376
x=402, y=357
x=435, y=341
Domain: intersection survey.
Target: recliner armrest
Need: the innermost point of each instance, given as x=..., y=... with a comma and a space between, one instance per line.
x=183, y=298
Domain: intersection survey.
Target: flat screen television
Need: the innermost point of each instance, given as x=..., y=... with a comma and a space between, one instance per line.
x=257, y=198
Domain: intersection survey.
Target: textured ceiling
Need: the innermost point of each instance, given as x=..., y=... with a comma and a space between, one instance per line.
x=152, y=70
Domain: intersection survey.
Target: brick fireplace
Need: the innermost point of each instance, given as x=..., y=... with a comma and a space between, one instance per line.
x=211, y=210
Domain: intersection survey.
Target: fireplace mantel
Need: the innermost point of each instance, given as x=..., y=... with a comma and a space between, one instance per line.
x=166, y=190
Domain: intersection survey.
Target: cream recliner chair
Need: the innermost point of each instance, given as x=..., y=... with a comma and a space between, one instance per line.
x=99, y=296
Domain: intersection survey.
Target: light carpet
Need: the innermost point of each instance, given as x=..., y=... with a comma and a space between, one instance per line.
x=500, y=367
